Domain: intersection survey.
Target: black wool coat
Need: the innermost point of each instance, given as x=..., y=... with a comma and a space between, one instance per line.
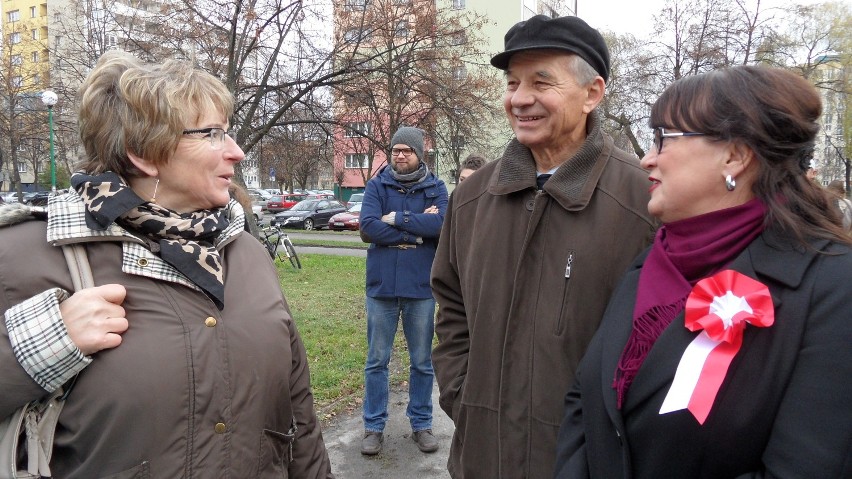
x=784, y=408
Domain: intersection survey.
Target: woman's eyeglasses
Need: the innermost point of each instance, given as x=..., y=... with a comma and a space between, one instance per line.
x=214, y=134
x=660, y=134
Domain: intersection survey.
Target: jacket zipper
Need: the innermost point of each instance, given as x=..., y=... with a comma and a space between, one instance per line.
x=568, y=270
x=568, y=266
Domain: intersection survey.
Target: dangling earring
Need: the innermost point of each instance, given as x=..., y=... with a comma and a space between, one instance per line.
x=730, y=183
x=154, y=197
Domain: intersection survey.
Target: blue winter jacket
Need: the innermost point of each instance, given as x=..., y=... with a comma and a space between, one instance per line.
x=394, y=272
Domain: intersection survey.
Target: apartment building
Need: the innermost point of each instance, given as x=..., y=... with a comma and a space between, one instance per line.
x=25, y=45
x=371, y=27
x=24, y=73
x=831, y=152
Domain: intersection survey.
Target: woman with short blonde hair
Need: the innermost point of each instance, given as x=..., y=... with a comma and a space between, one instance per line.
x=184, y=360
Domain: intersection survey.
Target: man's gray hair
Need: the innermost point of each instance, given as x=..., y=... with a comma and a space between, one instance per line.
x=582, y=71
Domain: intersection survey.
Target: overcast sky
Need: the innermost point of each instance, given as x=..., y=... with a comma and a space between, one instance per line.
x=637, y=16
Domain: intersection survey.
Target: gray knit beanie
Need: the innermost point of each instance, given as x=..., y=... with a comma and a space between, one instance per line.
x=413, y=137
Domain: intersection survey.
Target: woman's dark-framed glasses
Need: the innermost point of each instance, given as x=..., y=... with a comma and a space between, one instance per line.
x=660, y=134
x=214, y=134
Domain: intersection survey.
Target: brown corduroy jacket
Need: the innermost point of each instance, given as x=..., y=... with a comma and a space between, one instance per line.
x=522, y=278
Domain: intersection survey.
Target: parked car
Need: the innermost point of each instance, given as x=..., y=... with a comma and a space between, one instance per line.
x=283, y=202
x=320, y=196
x=38, y=198
x=265, y=194
x=275, y=204
x=308, y=214
x=348, y=220
x=257, y=212
x=257, y=199
x=355, y=199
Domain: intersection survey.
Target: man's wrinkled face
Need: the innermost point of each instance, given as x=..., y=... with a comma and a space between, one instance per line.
x=543, y=101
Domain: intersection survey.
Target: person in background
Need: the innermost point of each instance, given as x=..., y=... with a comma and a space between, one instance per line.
x=725, y=350
x=401, y=216
x=532, y=246
x=473, y=162
x=842, y=204
x=187, y=361
x=811, y=171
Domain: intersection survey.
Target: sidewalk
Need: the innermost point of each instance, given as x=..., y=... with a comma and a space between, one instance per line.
x=400, y=458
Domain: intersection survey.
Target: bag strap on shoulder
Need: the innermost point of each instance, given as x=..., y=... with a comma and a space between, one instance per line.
x=36, y=422
x=78, y=265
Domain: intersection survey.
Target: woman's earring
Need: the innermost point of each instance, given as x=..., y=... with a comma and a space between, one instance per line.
x=730, y=183
x=157, y=185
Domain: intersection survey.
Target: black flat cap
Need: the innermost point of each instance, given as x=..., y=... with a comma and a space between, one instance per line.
x=570, y=34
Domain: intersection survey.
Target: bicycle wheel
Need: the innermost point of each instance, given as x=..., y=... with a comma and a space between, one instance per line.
x=291, y=253
x=270, y=247
x=267, y=243
x=271, y=240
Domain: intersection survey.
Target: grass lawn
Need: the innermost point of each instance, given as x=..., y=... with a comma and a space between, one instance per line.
x=326, y=298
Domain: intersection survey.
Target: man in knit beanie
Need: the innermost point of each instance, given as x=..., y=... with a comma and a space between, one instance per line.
x=409, y=137
x=532, y=247
x=401, y=217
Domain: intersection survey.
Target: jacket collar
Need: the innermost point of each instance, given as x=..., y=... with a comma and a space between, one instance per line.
x=575, y=180
x=66, y=223
x=771, y=259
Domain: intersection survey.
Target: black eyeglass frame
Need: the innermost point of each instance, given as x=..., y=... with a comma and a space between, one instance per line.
x=660, y=135
x=211, y=133
x=404, y=151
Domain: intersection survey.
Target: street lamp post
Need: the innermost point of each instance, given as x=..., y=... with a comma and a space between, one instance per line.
x=50, y=98
x=433, y=152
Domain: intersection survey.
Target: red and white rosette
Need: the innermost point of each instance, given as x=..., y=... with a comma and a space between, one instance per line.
x=719, y=307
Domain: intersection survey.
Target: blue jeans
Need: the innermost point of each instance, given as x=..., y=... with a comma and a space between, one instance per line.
x=418, y=324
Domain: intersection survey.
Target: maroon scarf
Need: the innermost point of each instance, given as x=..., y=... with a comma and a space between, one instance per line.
x=683, y=253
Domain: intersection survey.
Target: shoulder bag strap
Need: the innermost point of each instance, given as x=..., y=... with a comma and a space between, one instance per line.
x=39, y=418
x=78, y=265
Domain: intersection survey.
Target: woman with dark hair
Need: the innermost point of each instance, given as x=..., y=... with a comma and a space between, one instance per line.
x=726, y=352
x=184, y=360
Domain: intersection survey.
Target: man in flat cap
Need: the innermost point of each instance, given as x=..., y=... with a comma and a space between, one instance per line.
x=401, y=217
x=531, y=248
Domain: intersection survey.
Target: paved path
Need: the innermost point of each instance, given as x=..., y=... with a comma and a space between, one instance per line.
x=329, y=236
x=333, y=251
x=400, y=458
x=325, y=236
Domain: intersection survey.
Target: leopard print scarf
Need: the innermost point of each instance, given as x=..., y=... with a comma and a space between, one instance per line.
x=185, y=241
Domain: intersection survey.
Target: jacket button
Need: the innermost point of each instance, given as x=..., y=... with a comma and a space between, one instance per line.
x=530, y=205
x=210, y=322
x=405, y=220
x=219, y=427
x=142, y=262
